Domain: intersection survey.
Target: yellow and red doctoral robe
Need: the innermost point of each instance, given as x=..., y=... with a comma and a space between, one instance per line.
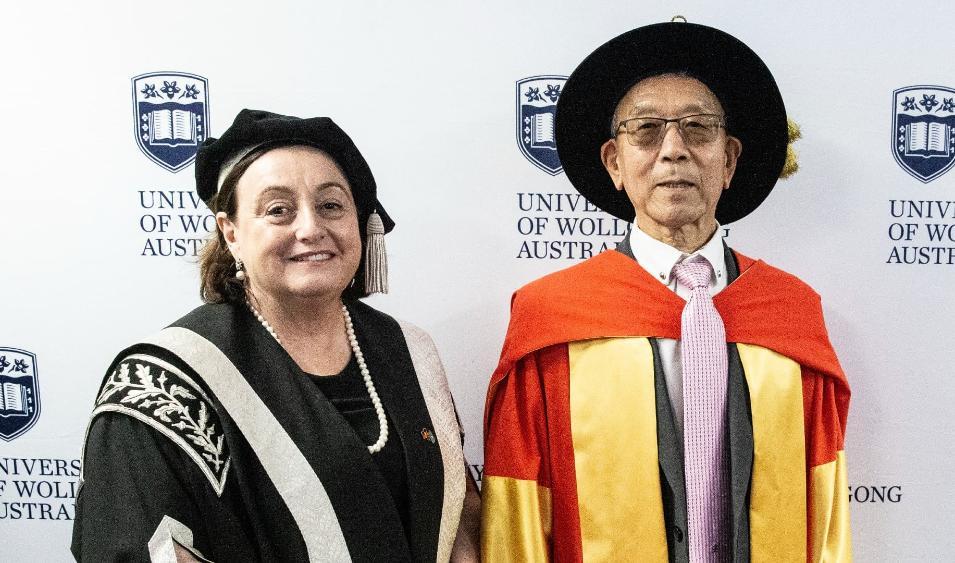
x=571, y=460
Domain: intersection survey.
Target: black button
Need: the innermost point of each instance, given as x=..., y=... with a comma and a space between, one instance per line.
x=678, y=534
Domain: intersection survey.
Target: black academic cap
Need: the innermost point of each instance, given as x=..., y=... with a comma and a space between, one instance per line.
x=736, y=75
x=257, y=128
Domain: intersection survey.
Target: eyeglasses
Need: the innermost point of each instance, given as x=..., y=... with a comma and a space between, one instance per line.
x=648, y=132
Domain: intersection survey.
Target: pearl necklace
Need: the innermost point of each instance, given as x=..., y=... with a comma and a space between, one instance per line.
x=365, y=374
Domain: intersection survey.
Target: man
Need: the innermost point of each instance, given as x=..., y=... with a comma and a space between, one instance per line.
x=672, y=399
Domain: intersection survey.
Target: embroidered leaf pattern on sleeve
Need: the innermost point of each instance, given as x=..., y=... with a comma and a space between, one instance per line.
x=167, y=400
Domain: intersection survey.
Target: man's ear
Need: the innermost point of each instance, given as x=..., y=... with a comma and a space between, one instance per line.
x=609, y=157
x=733, y=149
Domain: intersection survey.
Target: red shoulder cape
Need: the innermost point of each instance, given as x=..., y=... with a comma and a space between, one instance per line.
x=611, y=295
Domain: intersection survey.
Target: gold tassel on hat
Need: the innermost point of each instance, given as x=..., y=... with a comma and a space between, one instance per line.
x=376, y=262
x=792, y=158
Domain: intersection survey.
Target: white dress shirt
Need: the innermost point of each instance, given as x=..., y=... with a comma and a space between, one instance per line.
x=659, y=258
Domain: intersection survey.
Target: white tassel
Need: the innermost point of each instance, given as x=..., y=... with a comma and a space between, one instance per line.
x=376, y=262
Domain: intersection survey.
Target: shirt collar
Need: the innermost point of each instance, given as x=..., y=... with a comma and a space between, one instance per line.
x=658, y=258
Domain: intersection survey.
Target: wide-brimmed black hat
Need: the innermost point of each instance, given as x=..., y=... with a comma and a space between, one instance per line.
x=256, y=128
x=754, y=109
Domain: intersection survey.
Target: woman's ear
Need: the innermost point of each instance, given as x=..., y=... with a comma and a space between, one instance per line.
x=229, y=232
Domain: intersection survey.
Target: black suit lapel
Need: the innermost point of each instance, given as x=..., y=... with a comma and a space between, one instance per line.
x=623, y=246
x=740, y=422
x=670, y=455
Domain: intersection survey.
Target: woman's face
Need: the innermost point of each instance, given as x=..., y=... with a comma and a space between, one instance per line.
x=295, y=227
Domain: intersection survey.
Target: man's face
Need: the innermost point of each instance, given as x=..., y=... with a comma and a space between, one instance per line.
x=673, y=184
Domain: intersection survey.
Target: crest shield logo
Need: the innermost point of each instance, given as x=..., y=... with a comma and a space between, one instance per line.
x=172, y=114
x=19, y=392
x=923, y=132
x=536, y=107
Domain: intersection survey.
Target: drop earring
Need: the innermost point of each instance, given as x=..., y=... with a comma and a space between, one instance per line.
x=239, y=271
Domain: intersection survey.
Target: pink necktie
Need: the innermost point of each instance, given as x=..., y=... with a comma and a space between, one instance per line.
x=703, y=353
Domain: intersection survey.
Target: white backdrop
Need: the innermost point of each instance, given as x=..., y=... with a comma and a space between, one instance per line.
x=427, y=91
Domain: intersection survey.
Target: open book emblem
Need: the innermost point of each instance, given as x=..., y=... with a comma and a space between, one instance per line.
x=19, y=392
x=536, y=107
x=171, y=116
x=923, y=130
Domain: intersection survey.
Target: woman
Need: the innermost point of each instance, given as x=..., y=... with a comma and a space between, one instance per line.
x=284, y=420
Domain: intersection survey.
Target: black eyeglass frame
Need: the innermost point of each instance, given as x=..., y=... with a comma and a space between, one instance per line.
x=681, y=127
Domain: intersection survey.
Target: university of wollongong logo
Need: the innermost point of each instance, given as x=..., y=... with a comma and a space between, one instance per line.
x=923, y=132
x=536, y=108
x=19, y=392
x=171, y=116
